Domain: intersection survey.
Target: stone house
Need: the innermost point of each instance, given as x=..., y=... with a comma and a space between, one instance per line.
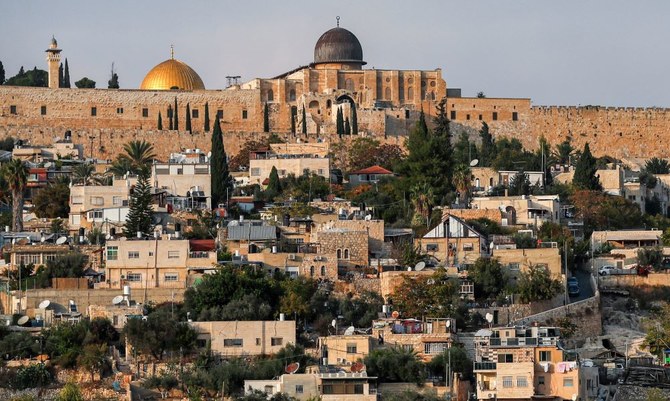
x=186, y=178
x=368, y=176
x=242, y=338
x=626, y=239
x=453, y=242
x=523, y=210
x=519, y=260
x=326, y=386
x=344, y=350
x=289, y=158
x=428, y=338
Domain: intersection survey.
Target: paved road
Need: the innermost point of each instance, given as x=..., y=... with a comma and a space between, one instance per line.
x=586, y=291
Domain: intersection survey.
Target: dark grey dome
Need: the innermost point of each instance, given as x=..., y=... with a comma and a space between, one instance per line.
x=338, y=45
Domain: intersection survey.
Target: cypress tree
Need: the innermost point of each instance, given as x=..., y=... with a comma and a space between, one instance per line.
x=170, y=115
x=339, y=122
x=585, y=171
x=60, y=75
x=487, y=148
x=304, y=120
x=347, y=127
x=354, y=120
x=266, y=118
x=274, y=185
x=160, y=122
x=176, y=115
x=139, y=213
x=2, y=74
x=188, y=117
x=293, y=116
x=207, y=117
x=66, y=75
x=219, y=166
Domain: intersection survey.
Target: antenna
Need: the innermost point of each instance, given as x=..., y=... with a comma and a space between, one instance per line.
x=338, y=20
x=474, y=162
x=349, y=331
x=232, y=79
x=420, y=266
x=292, y=368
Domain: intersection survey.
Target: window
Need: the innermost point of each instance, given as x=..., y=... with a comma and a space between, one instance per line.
x=96, y=214
x=480, y=117
x=43, y=110
x=323, y=270
x=352, y=348
x=358, y=388
x=515, y=116
x=339, y=254
x=134, y=277
x=508, y=381
x=387, y=94
x=540, y=380
x=505, y=358
x=298, y=389
x=320, y=171
x=255, y=172
x=410, y=93
x=77, y=200
x=170, y=277
x=453, y=115
x=434, y=348
x=117, y=200
x=12, y=109
x=97, y=200
x=467, y=116
x=408, y=347
x=112, y=253
x=244, y=114
x=568, y=382
x=195, y=113
x=432, y=247
x=291, y=95
x=269, y=390
x=495, y=115
x=173, y=254
x=545, y=356
x=271, y=95
x=119, y=110
x=180, y=171
x=282, y=172
x=346, y=254
x=219, y=114
x=521, y=381
x=94, y=111
x=258, y=341
x=311, y=271
x=468, y=247
x=169, y=112
x=276, y=341
x=515, y=267
x=232, y=342
x=133, y=254
x=145, y=112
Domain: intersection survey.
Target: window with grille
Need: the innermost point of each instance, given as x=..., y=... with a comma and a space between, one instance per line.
x=232, y=342
x=276, y=341
x=508, y=381
x=352, y=348
x=171, y=277
x=112, y=252
x=521, y=381
x=134, y=277
x=133, y=255
x=173, y=254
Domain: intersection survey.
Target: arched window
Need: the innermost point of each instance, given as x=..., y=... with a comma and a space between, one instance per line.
x=313, y=105
x=387, y=94
x=432, y=95
x=349, y=84
x=271, y=95
x=311, y=271
x=323, y=270
x=410, y=93
x=346, y=254
x=339, y=254
x=328, y=104
x=291, y=95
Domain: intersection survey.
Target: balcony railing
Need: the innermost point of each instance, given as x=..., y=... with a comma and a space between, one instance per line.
x=198, y=254
x=485, y=366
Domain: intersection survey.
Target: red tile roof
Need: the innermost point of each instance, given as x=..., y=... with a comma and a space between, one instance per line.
x=373, y=170
x=202, y=245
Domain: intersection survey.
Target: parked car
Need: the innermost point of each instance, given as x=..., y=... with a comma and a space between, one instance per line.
x=573, y=280
x=605, y=270
x=573, y=290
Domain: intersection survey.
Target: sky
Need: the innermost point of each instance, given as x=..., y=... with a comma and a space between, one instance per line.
x=568, y=52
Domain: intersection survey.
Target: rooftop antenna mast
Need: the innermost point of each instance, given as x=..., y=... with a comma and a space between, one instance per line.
x=338, y=20
x=232, y=79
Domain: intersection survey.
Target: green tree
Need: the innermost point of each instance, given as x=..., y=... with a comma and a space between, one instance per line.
x=585, y=172
x=52, y=201
x=206, y=117
x=274, y=186
x=423, y=201
x=658, y=334
x=85, y=174
x=519, y=184
x=60, y=75
x=461, y=181
x=57, y=226
x=221, y=181
x=460, y=363
x=34, y=77
x=85, y=83
x=113, y=82
x=650, y=257
x=93, y=359
x=488, y=278
x=395, y=365
x=33, y=375
x=188, y=117
x=347, y=127
x=354, y=119
x=304, y=120
x=339, y=122
x=66, y=75
x=564, y=151
x=2, y=74
x=15, y=174
x=136, y=159
x=70, y=392
x=536, y=284
x=464, y=151
x=158, y=333
x=159, y=125
x=657, y=166
x=170, y=114
x=139, y=212
x=266, y=118
x=176, y=115
x=487, y=150
x=294, y=113
x=163, y=383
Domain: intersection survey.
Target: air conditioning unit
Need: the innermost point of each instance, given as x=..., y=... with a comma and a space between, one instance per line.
x=291, y=256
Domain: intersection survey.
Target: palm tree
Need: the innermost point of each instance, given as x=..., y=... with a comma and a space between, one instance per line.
x=423, y=201
x=16, y=175
x=85, y=174
x=137, y=159
x=461, y=180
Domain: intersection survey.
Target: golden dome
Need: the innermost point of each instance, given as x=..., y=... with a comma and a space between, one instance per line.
x=172, y=74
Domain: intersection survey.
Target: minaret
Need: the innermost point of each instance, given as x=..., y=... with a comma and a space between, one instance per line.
x=53, y=61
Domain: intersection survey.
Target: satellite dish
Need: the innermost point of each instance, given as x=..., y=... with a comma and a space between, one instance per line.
x=474, y=162
x=574, y=397
x=489, y=317
x=23, y=320
x=44, y=304
x=333, y=323
x=395, y=314
x=357, y=367
x=448, y=323
x=292, y=368
x=420, y=266
x=349, y=331
x=48, y=164
x=117, y=299
x=61, y=240
x=368, y=217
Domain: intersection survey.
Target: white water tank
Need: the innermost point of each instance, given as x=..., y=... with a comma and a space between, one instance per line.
x=282, y=317
x=126, y=291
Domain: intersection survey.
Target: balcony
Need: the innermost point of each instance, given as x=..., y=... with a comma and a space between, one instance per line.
x=480, y=366
x=199, y=254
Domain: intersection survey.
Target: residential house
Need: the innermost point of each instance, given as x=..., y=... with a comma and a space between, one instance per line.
x=370, y=176
x=523, y=210
x=101, y=206
x=453, y=242
x=612, y=180
x=428, y=338
x=625, y=239
x=245, y=338
x=484, y=179
x=249, y=236
x=325, y=386
x=520, y=260
x=289, y=158
x=344, y=350
x=186, y=178
x=524, y=363
x=156, y=262
x=38, y=154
